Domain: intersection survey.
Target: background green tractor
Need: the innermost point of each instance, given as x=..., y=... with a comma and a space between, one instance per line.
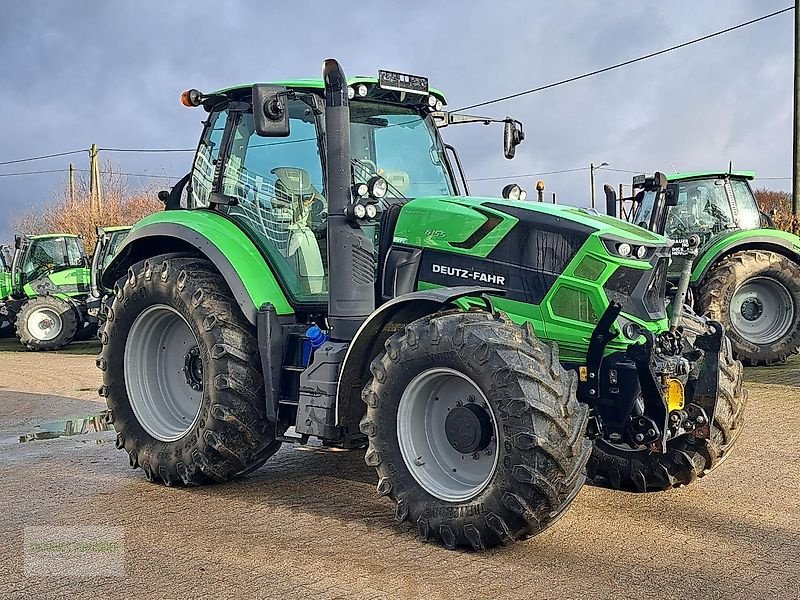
x=321, y=274
x=746, y=273
x=6, y=258
x=49, y=284
x=109, y=241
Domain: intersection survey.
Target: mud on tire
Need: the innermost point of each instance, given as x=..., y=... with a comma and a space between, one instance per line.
x=60, y=312
x=716, y=295
x=542, y=449
x=230, y=435
x=687, y=457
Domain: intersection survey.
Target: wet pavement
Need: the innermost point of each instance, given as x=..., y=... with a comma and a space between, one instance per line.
x=309, y=524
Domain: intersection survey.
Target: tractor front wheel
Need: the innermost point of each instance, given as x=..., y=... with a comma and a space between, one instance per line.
x=687, y=457
x=46, y=323
x=755, y=294
x=474, y=429
x=181, y=375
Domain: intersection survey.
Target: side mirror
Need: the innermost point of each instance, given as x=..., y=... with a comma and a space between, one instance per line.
x=270, y=115
x=17, y=242
x=671, y=194
x=512, y=137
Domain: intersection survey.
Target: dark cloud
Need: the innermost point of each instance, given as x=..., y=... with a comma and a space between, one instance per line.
x=111, y=73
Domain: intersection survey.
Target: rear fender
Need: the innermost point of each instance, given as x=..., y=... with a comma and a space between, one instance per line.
x=772, y=240
x=207, y=235
x=370, y=338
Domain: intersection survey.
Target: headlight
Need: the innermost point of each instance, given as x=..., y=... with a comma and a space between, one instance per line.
x=641, y=251
x=631, y=331
x=372, y=211
x=439, y=105
x=361, y=89
x=360, y=190
x=377, y=187
x=523, y=195
x=624, y=249
x=360, y=211
x=351, y=93
x=432, y=101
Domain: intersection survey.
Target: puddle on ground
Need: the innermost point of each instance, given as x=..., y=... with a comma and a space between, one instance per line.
x=57, y=429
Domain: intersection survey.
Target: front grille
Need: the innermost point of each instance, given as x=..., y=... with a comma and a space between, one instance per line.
x=640, y=292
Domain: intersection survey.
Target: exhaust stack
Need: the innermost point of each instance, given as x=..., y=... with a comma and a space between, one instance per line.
x=351, y=255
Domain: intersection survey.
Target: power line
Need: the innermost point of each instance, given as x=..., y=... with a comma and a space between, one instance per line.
x=627, y=62
x=29, y=159
x=521, y=175
x=148, y=150
x=149, y=175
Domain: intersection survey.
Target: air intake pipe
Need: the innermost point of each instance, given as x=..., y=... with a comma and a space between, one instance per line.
x=351, y=255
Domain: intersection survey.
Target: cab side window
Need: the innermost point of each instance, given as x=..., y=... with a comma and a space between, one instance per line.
x=278, y=187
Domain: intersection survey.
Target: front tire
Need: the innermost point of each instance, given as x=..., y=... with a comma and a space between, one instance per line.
x=494, y=419
x=46, y=323
x=181, y=375
x=687, y=457
x=755, y=294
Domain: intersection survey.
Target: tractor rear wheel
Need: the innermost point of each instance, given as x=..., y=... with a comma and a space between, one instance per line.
x=474, y=429
x=182, y=377
x=755, y=294
x=687, y=457
x=46, y=323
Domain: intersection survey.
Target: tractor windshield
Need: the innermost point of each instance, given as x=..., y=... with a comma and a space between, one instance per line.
x=401, y=145
x=707, y=207
x=49, y=254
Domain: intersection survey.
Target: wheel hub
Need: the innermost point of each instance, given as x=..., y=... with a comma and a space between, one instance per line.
x=193, y=369
x=752, y=309
x=468, y=428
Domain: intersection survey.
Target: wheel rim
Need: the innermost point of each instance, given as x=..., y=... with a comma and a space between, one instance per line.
x=163, y=373
x=762, y=310
x=447, y=433
x=44, y=324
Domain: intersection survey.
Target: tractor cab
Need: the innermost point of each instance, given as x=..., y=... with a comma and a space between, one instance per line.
x=109, y=240
x=706, y=204
x=49, y=264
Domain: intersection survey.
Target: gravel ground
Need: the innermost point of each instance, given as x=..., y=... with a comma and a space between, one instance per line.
x=309, y=524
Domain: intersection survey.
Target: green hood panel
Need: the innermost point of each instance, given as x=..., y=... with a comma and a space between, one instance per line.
x=214, y=230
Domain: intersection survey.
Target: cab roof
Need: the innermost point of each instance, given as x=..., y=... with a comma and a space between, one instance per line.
x=45, y=236
x=709, y=174
x=316, y=84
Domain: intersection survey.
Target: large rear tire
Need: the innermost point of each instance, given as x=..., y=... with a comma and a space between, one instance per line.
x=474, y=429
x=181, y=375
x=687, y=457
x=46, y=323
x=755, y=294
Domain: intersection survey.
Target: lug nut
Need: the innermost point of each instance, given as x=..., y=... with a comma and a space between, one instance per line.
x=639, y=437
x=700, y=419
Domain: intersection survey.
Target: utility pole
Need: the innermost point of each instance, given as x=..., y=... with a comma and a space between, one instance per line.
x=796, y=138
x=592, y=169
x=95, y=195
x=71, y=184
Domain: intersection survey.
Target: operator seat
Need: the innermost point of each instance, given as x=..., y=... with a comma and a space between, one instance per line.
x=304, y=212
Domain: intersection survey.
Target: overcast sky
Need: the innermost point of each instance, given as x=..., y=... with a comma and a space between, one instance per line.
x=74, y=73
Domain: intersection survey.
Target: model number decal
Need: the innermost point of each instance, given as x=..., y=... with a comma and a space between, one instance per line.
x=453, y=512
x=468, y=274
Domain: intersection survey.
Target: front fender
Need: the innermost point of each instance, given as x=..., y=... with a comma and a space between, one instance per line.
x=370, y=338
x=209, y=235
x=774, y=240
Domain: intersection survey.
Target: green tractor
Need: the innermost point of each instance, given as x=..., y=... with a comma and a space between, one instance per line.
x=109, y=241
x=321, y=273
x=49, y=284
x=744, y=273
